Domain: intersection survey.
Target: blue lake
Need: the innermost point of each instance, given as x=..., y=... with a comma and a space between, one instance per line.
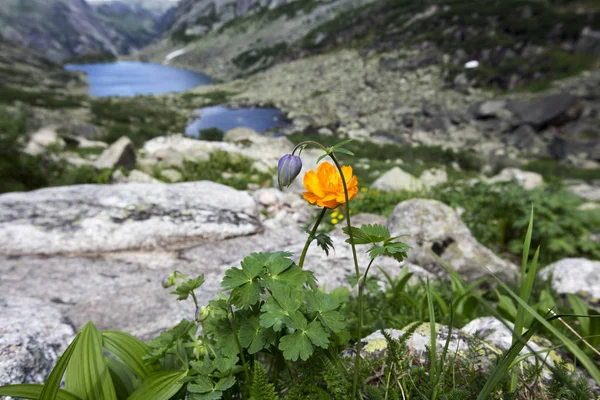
x=223, y=118
x=129, y=78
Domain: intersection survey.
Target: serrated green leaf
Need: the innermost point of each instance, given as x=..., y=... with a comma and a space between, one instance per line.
x=253, y=336
x=52, y=384
x=204, y=367
x=225, y=364
x=87, y=375
x=216, y=395
x=396, y=250
x=376, y=251
x=273, y=316
x=277, y=262
x=246, y=295
x=296, y=345
x=318, y=336
x=235, y=277
x=130, y=351
x=33, y=391
x=333, y=320
x=225, y=383
x=368, y=234
x=160, y=386
x=223, y=332
x=324, y=242
x=320, y=302
x=202, y=384
x=183, y=290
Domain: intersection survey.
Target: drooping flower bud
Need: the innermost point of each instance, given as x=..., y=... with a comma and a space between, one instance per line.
x=288, y=168
x=202, y=313
x=168, y=280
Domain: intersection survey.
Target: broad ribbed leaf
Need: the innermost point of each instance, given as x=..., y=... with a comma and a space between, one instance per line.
x=131, y=351
x=124, y=380
x=159, y=386
x=51, y=385
x=87, y=375
x=33, y=391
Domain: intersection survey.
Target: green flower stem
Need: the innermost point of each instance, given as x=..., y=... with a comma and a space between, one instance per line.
x=311, y=237
x=239, y=346
x=195, y=299
x=357, y=270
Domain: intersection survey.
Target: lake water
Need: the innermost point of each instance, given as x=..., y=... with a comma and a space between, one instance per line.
x=129, y=78
x=223, y=118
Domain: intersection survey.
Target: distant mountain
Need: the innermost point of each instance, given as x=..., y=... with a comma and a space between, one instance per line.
x=158, y=7
x=59, y=29
x=66, y=29
x=131, y=25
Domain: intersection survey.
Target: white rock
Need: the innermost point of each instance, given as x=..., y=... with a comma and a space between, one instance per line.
x=268, y=197
x=437, y=235
x=136, y=176
x=433, y=177
x=42, y=139
x=102, y=218
x=586, y=192
x=528, y=180
x=172, y=175
x=119, y=154
x=575, y=275
x=397, y=179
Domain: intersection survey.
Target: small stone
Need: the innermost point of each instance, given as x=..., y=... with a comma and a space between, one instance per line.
x=119, y=154
x=397, y=179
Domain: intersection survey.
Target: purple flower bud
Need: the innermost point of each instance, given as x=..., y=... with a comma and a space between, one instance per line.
x=288, y=168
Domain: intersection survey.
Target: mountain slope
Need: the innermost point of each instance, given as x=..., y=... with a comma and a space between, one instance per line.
x=60, y=29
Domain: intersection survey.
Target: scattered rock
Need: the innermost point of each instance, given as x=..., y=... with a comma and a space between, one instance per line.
x=102, y=218
x=136, y=176
x=489, y=109
x=575, y=275
x=87, y=131
x=170, y=158
x=32, y=336
x=526, y=139
x=589, y=42
x=119, y=154
x=437, y=235
x=397, y=179
x=526, y=179
x=555, y=109
x=172, y=175
x=433, y=177
x=42, y=139
x=586, y=191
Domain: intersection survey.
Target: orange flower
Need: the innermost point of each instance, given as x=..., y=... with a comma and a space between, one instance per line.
x=325, y=187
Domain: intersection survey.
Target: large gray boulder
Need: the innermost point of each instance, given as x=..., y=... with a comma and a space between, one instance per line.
x=555, y=109
x=119, y=154
x=526, y=179
x=103, y=218
x=575, y=275
x=439, y=237
x=32, y=336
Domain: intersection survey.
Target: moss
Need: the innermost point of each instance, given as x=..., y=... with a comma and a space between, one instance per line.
x=40, y=98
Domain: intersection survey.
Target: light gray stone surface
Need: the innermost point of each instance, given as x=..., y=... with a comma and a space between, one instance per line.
x=439, y=237
x=104, y=218
x=528, y=180
x=575, y=275
x=33, y=334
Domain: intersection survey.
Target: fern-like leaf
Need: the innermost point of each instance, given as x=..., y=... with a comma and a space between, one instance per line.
x=261, y=388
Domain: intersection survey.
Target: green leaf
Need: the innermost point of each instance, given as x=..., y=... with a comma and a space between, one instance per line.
x=322, y=157
x=33, y=391
x=160, y=386
x=202, y=384
x=253, y=336
x=235, y=277
x=124, y=380
x=279, y=309
x=368, y=234
x=340, y=144
x=216, y=395
x=397, y=250
x=376, y=251
x=343, y=151
x=87, y=375
x=224, y=334
x=324, y=242
x=131, y=351
x=52, y=384
x=278, y=262
x=296, y=345
x=183, y=291
x=225, y=383
x=246, y=290
x=247, y=295
x=318, y=336
x=325, y=305
x=293, y=277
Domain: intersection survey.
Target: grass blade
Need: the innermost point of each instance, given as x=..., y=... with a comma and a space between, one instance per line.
x=130, y=350
x=50, y=388
x=160, y=386
x=34, y=391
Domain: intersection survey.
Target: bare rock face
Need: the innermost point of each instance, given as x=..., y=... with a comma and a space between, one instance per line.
x=102, y=218
x=437, y=235
x=32, y=336
x=397, y=179
x=526, y=179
